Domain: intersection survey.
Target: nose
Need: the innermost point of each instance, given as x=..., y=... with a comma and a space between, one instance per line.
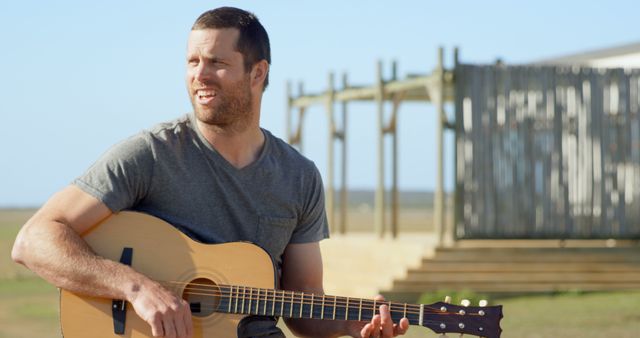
x=201, y=72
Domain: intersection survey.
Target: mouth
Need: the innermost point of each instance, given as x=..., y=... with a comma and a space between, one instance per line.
x=205, y=96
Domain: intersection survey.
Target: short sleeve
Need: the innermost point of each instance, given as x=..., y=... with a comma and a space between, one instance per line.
x=122, y=176
x=312, y=223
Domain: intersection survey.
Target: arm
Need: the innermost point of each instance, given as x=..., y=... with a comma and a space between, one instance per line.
x=50, y=244
x=302, y=271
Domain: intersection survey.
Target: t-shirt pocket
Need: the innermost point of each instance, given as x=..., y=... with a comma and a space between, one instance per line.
x=274, y=234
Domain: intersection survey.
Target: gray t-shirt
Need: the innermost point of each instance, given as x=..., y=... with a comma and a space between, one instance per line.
x=173, y=173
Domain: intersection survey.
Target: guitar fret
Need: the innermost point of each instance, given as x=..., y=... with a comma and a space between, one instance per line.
x=250, y=297
x=301, y=303
x=360, y=311
x=273, y=304
x=282, y=305
x=322, y=309
x=237, y=296
x=346, y=310
x=244, y=292
x=311, y=310
x=230, y=295
x=291, y=309
x=335, y=301
x=266, y=296
x=405, y=311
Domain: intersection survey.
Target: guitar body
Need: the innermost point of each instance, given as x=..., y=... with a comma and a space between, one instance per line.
x=163, y=253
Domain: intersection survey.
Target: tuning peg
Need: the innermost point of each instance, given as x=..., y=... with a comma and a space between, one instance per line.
x=447, y=299
x=483, y=303
x=465, y=302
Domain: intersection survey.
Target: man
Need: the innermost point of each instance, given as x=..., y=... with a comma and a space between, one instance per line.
x=215, y=175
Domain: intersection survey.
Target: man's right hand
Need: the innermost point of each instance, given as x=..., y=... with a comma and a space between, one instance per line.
x=168, y=315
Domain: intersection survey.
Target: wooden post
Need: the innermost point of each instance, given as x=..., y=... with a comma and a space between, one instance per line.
x=458, y=201
x=330, y=170
x=394, y=158
x=343, y=174
x=379, y=209
x=300, y=118
x=289, y=115
x=438, y=216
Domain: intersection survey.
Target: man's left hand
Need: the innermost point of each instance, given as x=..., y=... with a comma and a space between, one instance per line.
x=381, y=325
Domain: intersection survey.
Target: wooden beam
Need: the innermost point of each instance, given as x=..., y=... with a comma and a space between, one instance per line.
x=379, y=208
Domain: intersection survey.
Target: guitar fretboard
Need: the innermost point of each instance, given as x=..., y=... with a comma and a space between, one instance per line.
x=290, y=304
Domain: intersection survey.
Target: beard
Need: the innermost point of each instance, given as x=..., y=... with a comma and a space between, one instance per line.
x=232, y=111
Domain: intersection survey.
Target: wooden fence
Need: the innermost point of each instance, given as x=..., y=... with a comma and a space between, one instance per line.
x=547, y=152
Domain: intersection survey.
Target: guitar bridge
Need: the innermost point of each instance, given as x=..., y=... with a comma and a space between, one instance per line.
x=118, y=306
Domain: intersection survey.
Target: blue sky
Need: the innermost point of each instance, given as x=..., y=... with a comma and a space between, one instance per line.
x=78, y=76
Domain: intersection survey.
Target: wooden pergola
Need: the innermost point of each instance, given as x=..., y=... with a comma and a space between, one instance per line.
x=436, y=87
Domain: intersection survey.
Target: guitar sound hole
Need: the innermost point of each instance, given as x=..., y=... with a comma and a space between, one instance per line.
x=203, y=296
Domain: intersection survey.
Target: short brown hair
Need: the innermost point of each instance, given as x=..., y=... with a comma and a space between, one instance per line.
x=253, y=42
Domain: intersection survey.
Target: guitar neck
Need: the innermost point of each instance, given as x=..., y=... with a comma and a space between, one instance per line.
x=290, y=304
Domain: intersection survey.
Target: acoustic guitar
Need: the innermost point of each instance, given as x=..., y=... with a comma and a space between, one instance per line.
x=223, y=283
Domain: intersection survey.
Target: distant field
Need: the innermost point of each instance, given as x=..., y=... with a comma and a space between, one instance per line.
x=10, y=222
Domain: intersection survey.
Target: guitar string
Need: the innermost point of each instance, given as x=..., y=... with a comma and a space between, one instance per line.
x=306, y=301
x=248, y=294
x=286, y=302
x=248, y=290
x=210, y=290
x=297, y=299
x=296, y=314
x=216, y=288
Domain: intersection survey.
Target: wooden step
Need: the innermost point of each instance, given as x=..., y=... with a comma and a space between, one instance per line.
x=523, y=270
x=600, y=255
x=524, y=287
x=436, y=266
x=508, y=277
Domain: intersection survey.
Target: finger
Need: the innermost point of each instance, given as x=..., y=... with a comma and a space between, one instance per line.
x=366, y=331
x=169, y=328
x=386, y=323
x=379, y=297
x=180, y=320
x=187, y=320
x=180, y=325
x=156, y=327
x=401, y=328
x=375, y=327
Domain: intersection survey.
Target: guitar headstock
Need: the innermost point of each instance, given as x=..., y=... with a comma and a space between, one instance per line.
x=481, y=321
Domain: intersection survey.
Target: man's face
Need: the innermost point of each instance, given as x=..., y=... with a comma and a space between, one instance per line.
x=218, y=85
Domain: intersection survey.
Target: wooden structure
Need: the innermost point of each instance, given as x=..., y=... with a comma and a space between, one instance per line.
x=436, y=88
x=541, y=151
x=517, y=268
x=547, y=152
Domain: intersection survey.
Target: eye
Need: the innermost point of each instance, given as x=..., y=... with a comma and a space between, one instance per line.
x=217, y=62
x=193, y=62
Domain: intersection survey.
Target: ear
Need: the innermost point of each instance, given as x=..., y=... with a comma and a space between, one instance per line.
x=259, y=73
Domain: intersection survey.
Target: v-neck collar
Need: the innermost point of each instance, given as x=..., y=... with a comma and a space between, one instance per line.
x=218, y=158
